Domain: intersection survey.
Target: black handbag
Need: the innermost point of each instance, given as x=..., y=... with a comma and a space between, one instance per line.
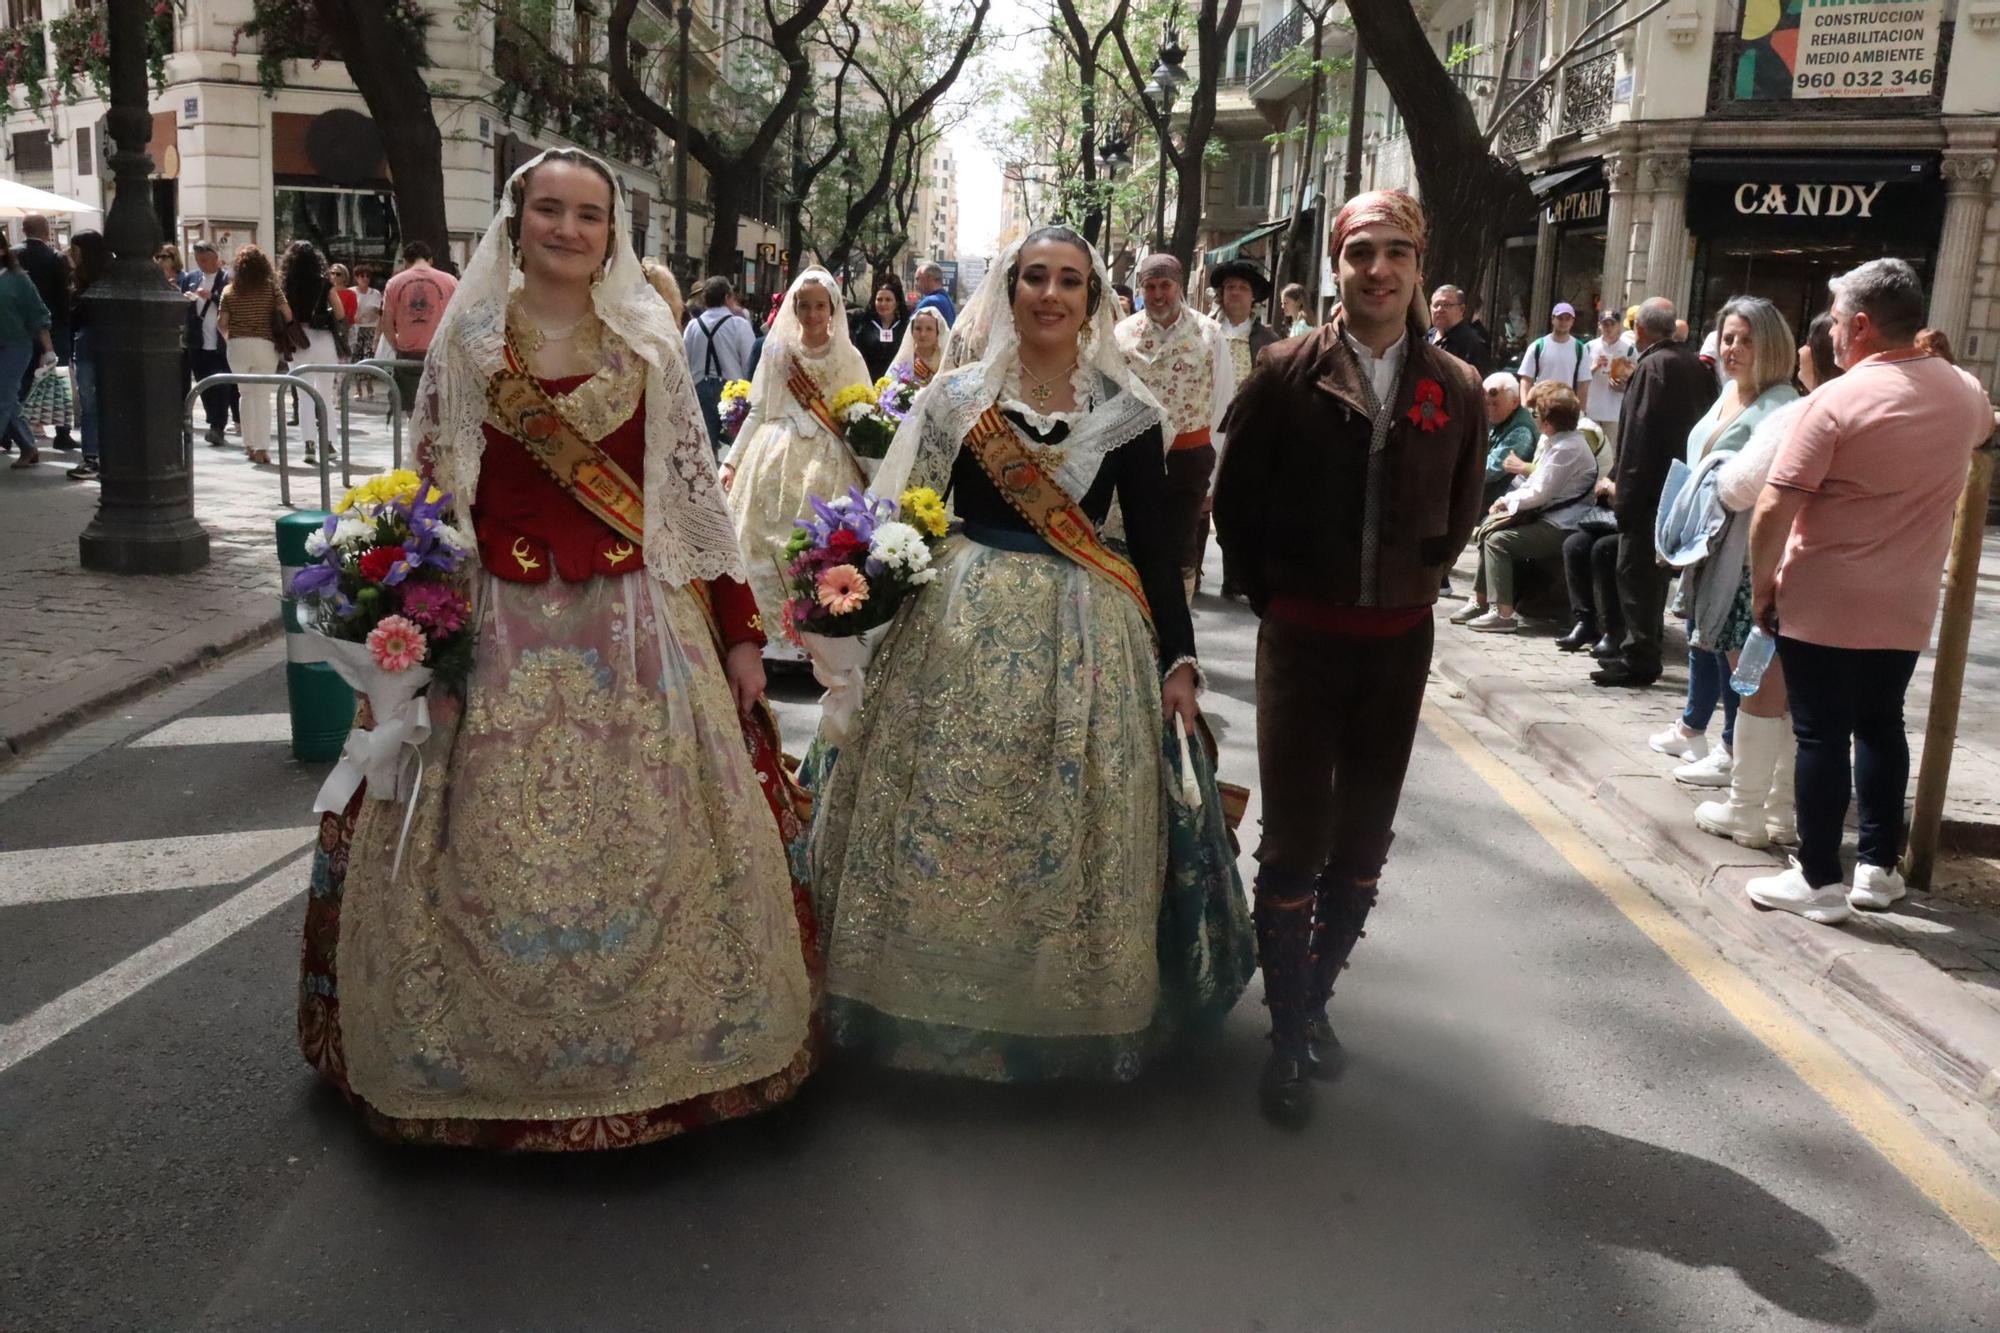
x=1602, y=521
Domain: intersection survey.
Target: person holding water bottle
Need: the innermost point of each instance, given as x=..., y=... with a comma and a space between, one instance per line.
x=1846, y=548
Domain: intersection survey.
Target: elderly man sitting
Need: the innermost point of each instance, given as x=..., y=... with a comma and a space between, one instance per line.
x=1510, y=434
x=1531, y=521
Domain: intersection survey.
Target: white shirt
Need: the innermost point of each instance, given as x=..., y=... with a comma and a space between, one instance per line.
x=210, y=338
x=1606, y=398
x=1711, y=352
x=1381, y=370
x=1553, y=358
x=733, y=341
x=367, y=308
x=1562, y=463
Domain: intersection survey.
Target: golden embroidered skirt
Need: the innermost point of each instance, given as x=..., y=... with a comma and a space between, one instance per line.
x=777, y=473
x=595, y=938
x=989, y=852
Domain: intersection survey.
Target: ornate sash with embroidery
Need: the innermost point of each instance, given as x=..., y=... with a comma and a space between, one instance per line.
x=807, y=392
x=518, y=406
x=921, y=371
x=1054, y=516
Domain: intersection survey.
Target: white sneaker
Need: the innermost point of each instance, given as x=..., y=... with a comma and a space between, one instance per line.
x=1679, y=743
x=1712, y=770
x=1494, y=623
x=1470, y=611
x=1789, y=892
x=1875, y=888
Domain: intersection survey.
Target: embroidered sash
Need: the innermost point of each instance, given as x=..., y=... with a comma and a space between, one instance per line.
x=517, y=406
x=807, y=393
x=921, y=371
x=1058, y=519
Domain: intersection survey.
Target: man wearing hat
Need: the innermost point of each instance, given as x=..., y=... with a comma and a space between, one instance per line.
x=1556, y=355
x=1354, y=477
x=1240, y=288
x=1180, y=354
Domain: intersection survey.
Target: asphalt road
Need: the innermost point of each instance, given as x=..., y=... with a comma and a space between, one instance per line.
x=1544, y=1124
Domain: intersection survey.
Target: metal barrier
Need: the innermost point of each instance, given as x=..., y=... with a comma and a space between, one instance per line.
x=284, y=472
x=344, y=372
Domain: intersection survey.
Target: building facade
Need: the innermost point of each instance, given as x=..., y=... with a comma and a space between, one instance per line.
x=1716, y=148
x=237, y=164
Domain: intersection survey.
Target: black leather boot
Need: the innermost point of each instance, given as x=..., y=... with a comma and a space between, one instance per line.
x=1580, y=638
x=1607, y=648
x=1284, y=920
x=1341, y=909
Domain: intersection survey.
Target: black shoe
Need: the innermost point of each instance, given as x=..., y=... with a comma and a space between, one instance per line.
x=1618, y=671
x=64, y=441
x=1285, y=1092
x=216, y=439
x=1606, y=648
x=1325, y=1057
x=84, y=471
x=1580, y=638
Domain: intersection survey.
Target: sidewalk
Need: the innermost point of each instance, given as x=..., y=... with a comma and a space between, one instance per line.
x=74, y=643
x=1926, y=975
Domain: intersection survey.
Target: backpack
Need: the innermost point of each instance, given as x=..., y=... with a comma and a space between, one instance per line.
x=1577, y=376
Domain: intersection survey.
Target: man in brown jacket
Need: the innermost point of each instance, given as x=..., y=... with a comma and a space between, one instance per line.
x=1352, y=480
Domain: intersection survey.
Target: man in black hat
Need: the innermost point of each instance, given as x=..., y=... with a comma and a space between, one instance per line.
x=1241, y=289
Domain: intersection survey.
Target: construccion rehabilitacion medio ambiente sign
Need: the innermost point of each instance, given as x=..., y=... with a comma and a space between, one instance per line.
x=1806, y=49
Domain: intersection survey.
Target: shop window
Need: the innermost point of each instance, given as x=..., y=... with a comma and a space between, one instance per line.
x=348, y=226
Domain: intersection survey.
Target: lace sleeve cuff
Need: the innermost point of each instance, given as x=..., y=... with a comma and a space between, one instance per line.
x=1188, y=659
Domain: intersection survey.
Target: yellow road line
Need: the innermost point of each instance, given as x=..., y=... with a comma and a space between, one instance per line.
x=1923, y=1163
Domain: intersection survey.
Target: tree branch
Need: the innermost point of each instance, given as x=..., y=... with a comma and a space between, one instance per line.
x=1583, y=39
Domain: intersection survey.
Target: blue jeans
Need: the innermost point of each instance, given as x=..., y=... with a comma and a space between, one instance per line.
x=1708, y=682
x=83, y=369
x=14, y=358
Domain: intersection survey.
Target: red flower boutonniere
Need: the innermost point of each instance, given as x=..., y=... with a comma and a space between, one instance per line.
x=1428, y=411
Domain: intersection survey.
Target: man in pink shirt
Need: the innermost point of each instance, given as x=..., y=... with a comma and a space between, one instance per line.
x=412, y=305
x=1846, y=549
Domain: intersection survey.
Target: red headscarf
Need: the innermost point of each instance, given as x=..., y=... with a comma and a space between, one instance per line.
x=1392, y=208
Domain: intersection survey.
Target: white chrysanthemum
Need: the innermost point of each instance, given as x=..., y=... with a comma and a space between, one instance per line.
x=858, y=412
x=316, y=543
x=353, y=530
x=924, y=576
x=451, y=537
x=900, y=546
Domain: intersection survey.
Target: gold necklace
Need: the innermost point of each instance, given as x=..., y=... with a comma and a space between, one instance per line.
x=1045, y=385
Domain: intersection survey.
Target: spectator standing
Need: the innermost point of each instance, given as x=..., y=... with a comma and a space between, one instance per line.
x=309, y=289
x=1668, y=392
x=412, y=304
x=930, y=290
x=253, y=310
x=1181, y=355
x=720, y=347
x=89, y=261
x=1298, y=316
x=1454, y=332
x=1612, y=359
x=48, y=269
x=367, y=318
x=879, y=331
x=203, y=288
x=343, y=292
x=24, y=324
x=1846, y=549
x=1532, y=520
x=1510, y=434
x=1556, y=355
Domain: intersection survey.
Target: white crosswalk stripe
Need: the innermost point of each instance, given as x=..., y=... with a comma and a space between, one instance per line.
x=147, y=865
x=236, y=729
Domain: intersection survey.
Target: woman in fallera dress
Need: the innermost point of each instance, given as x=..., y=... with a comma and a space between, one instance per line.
x=790, y=448
x=923, y=344
x=998, y=897
x=594, y=938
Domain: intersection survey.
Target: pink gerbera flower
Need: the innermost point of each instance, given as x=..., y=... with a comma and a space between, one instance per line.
x=842, y=589
x=396, y=644
x=435, y=606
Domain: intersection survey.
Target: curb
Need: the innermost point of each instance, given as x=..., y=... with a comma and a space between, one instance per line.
x=1905, y=999
x=26, y=727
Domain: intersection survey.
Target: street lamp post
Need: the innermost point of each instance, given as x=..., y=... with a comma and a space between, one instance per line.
x=1116, y=154
x=682, y=18
x=1164, y=88
x=145, y=520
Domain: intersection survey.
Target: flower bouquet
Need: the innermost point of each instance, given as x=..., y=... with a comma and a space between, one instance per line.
x=387, y=598
x=734, y=407
x=850, y=567
x=895, y=391
x=867, y=428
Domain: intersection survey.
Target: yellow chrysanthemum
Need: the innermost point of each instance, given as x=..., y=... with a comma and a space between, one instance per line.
x=384, y=488
x=925, y=508
x=735, y=389
x=848, y=397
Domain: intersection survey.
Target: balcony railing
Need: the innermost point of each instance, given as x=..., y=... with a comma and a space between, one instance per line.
x=1523, y=131
x=1723, y=101
x=1587, y=93
x=1271, y=46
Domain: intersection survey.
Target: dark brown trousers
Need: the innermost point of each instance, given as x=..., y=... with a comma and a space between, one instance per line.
x=1188, y=473
x=1336, y=719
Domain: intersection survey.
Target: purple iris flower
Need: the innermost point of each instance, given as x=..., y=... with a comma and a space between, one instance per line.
x=316, y=581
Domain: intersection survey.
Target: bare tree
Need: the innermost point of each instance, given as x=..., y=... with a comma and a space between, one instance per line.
x=1187, y=159
x=1086, y=48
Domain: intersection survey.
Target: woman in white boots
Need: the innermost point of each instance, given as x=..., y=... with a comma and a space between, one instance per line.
x=1757, y=350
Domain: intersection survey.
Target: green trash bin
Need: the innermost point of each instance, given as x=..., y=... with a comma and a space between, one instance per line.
x=322, y=703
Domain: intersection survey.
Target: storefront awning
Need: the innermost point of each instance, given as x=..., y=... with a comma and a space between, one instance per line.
x=1222, y=254
x=1789, y=168
x=1550, y=181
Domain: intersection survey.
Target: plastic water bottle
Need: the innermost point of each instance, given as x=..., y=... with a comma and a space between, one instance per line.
x=1753, y=662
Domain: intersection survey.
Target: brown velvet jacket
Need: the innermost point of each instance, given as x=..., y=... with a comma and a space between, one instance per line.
x=1291, y=494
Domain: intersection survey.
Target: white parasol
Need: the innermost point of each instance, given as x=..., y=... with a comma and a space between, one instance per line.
x=18, y=200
